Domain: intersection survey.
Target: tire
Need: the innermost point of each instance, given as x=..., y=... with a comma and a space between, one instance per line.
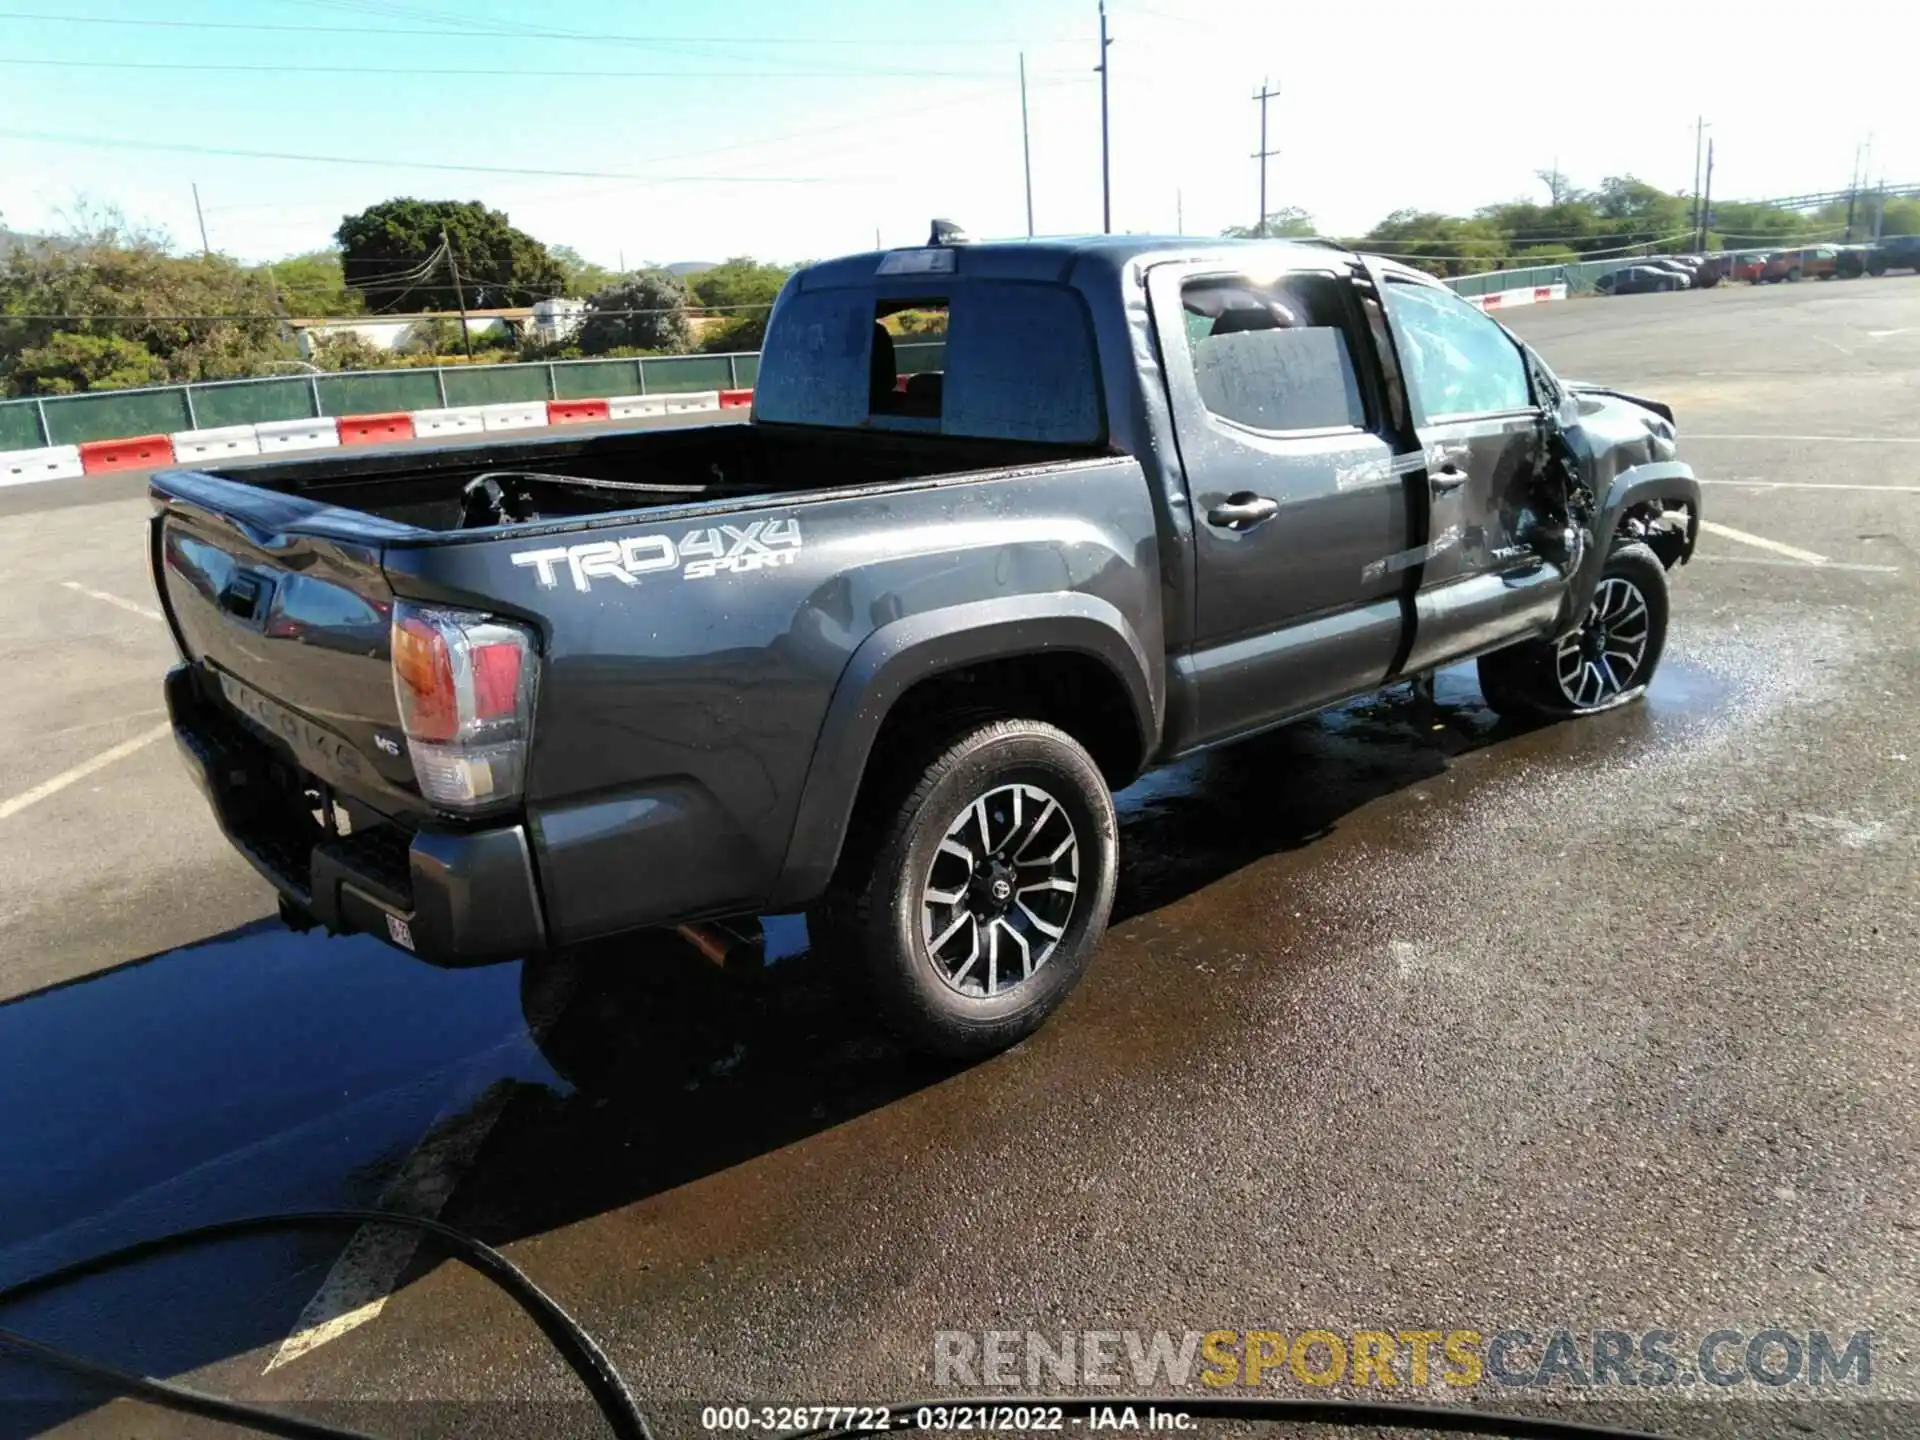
x=937, y=915
x=1793, y=275
x=1535, y=680
x=1876, y=270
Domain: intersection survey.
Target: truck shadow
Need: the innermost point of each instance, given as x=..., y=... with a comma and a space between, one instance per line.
x=262, y=1070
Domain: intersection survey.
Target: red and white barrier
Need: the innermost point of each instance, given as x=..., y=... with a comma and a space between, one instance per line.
x=1525, y=295
x=375, y=429
x=139, y=452
x=216, y=444
x=456, y=420
x=322, y=433
x=54, y=462
x=326, y=432
x=514, y=415
x=576, y=412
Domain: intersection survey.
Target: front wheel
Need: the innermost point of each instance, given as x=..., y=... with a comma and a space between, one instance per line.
x=988, y=890
x=1794, y=276
x=1606, y=662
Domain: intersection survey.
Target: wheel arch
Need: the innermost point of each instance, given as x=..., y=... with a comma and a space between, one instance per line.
x=1072, y=659
x=1669, y=481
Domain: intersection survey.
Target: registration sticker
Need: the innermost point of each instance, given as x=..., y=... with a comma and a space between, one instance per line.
x=400, y=932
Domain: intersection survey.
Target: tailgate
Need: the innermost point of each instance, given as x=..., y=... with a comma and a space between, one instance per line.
x=288, y=630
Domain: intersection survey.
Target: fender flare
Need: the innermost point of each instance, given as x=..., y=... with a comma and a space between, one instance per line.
x=904, y=652
x=1669, y=480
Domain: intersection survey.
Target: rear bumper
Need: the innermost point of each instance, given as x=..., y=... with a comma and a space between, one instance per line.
x=453, y=897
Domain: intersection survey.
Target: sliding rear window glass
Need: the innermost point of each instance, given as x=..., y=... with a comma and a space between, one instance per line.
x=1013, y=361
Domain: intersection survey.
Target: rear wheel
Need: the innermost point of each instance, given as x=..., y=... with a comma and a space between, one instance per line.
x=1794, y=274
x=1605, y=663
x=988, y=889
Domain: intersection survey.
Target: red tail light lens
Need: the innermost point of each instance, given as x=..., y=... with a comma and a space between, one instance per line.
x=464, y=684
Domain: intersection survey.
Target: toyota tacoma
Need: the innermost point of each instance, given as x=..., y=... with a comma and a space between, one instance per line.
x=884, y=649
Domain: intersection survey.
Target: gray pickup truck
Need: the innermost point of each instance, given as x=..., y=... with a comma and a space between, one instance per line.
x=885, y=649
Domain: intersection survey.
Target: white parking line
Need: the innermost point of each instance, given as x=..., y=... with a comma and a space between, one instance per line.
x=1792, y=552
x=143, y=611
x=363, y=1277
x=1827, y=439
x=1800, y=564
x=46, y=788
x=1813, y=485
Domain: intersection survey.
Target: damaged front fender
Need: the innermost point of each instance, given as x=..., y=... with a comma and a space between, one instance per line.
x=1658, y=486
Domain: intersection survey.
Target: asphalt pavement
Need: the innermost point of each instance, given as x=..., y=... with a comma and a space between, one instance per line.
x=1410, y=1020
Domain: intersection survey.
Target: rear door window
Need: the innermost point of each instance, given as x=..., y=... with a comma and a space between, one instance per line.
x=1274, y=357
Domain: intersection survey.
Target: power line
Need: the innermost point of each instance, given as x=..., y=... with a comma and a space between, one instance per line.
x=469, y=31
x=110, y=142
x=570, y=73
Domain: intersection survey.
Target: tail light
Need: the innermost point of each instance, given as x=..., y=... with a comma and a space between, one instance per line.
x=465, y=687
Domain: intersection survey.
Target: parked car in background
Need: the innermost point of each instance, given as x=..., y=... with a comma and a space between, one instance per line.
x=1673, y=266
x=1814, y=263
x=1748, y=265
x=1895, y=252
x=1639, y=280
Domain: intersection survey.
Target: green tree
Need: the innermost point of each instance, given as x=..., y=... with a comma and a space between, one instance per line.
x=70, y=362
x=314, y=284
x=1439, y=244
x=118, y=294
x=647, y=311
x=583, y=277
x=390, y=253
x=348, y=351
x=741, y=291
x=1902, y=217
x=1288, y=220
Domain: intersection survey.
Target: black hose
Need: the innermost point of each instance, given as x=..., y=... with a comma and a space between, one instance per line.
x=588, y=1361
x=1391, y=1415
x=617, y=1403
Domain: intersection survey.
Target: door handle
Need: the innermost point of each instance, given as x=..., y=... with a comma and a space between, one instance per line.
x=1243, y=511
x=1447, y=478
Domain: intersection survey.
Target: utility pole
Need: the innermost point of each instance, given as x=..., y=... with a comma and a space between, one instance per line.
x=205, y=249
x=1853, y=195
x=1026, y=146
x=459, y=295
x=1179, y=212
x=1706, y=203
x=1106, y=153
x=1700, y=129
x=1266, y=94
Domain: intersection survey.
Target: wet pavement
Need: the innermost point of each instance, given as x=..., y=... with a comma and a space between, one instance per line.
x=1409, y=1018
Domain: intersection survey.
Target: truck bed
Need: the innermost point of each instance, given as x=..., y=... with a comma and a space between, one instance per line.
x=572, y=476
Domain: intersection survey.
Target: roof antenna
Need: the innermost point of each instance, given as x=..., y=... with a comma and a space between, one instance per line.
x=945, y=232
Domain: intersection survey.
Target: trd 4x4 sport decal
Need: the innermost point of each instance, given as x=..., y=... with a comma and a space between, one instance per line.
x=698, y=555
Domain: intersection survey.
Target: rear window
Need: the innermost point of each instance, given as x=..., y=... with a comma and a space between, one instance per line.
x=994, y=359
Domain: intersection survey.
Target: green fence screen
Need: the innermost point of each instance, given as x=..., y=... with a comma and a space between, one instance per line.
x=677, y=374
x=115, y=415
x=374, y=392
x=19, y=426
x=595, y=379
x=248, y=402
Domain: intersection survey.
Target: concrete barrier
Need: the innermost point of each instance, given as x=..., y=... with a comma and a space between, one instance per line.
x=633, y=407
x=375, y=429
x=732, y=398
x=576, y=412
x=514, y=415
x=457, y=420
x=215, y=444
x=53, y=462
x=691, y=402
x=322, y=433
x=1525, y=295
x=140, y=452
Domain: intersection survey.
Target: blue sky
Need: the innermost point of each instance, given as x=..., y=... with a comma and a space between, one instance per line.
x=799, y=129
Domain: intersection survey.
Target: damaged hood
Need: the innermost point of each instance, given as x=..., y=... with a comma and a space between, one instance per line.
x=1581, y=388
